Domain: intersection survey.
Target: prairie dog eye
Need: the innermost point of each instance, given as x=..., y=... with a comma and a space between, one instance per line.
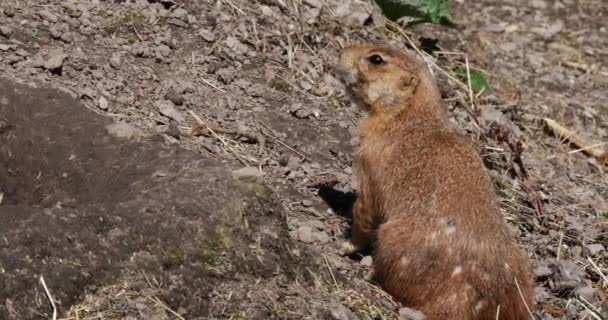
x=376, y=59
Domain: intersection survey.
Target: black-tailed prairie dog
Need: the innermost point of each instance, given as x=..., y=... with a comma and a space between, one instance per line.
x=425, y=201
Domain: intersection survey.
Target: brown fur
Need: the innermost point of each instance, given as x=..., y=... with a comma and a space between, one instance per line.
x=425, y=200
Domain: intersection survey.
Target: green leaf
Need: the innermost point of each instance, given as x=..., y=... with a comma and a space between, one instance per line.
x=478, y=82
x=416, y=11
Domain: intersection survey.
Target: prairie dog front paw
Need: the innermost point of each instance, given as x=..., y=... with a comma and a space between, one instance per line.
x=347, y=248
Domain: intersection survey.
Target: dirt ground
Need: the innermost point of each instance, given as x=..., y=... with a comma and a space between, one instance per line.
x=258, y=76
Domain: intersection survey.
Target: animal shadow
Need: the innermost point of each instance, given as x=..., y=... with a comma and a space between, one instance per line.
x=340, y=202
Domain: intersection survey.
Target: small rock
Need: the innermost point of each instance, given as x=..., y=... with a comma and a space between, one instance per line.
x=207, y=35
x=55, y=63
x=4, y=47
x=6, y=31
x=321, y=236
x=542, y=272
x=305, y=234
x=410, y=314
x=115, y=61
x=314, y=3
x=123, y=130
x=337, y=311
x=267, y=11
x=103, y=103
x=587, y=292
x=237, y=46
x=175, y=97
x=166, y=109
x=74, y=23
x=367, y=261
x=284, y=160
x=307, y=203
x=595, y=248
x=48, y=16
x=538, y=4
x=247, y=172
x=173, y=130
x=180, y=13
x=9, y=12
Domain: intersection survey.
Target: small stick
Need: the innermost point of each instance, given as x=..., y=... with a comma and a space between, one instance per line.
x=522, y=299
x=217, y=136
x=160, y=303
x=235, y=7
x=466, y=60
x=48, y=295
x=598, y=270
x=566, y=134
x=497, y=312
x=559, y=246
x=285, y=145
x=593, y=313
x=135, y=29
x=331, y=272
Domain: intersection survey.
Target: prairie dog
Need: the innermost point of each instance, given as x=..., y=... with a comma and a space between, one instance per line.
x=425, y=201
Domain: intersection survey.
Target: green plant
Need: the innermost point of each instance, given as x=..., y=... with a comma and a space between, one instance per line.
x=478, y=82
x=416, y=11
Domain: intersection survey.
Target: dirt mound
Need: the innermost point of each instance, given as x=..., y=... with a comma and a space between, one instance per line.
x=85, y=209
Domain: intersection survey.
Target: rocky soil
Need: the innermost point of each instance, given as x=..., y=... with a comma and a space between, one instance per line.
x=228, y=108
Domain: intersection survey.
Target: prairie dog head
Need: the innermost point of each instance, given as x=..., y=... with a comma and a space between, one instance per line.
x=379, y=77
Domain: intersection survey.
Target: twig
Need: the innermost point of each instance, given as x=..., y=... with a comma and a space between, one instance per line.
x=598, y=270
x=284, y=144
x=164, y=306
x=523, y=299
x=593, y=313
x=135, y=29
x=331, y=272
x=559, y=245
x=497, y=312
x=466, y=61
x=48, y=295
x=217, y=136
x=212, y=85
x=235, y=7
x=566, y=134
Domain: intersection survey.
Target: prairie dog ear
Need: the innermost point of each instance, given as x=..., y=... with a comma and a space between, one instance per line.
x=410, y=80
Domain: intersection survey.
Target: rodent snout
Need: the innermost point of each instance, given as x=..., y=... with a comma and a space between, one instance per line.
x=345, y=75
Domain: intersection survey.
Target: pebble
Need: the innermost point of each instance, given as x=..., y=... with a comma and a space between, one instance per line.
x=168, y=110
x=55, y=62
x=48, y=16
x=248, y=172
x=175, y=97
x=6, y=31
x=314, y=3
x=304, y=234
x=367, y=261
x=207, y=35
x=103, y=103
x=115, y=61
x=9, y=12
x=321, y=236
x=595, y=248
x=123, y=130
x=180, y=13
x=307, y=203
x=337, y=311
